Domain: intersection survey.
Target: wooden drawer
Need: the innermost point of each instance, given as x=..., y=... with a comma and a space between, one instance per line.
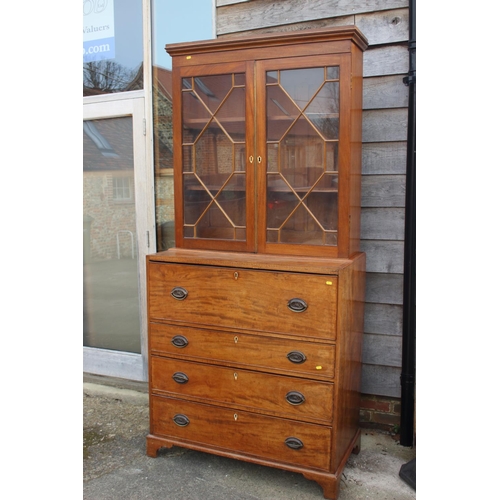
x=258, y=352
x=242, y=432
x=243, y=298
x=244, y=389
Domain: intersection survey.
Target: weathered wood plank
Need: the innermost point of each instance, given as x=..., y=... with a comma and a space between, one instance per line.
x=384, y=319
x=261, y=13
x=382, y=350
x=306, y=25
x=384, y=158
x=388, y=26
x=383, y=190
x=385, y=60
x=383, y=224
x=381, y=380
x=385, y=92
x=384, y=288
x=382, y=125
x=383, y=256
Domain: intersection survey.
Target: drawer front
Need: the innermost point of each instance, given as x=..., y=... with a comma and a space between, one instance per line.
x=295, y=356
x=301, y=304
x=309, y=445
x=288, y=396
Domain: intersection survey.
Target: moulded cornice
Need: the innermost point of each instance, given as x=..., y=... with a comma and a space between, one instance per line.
x=338, y=33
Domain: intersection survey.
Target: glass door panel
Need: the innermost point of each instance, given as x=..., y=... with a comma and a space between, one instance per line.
x=214, y=151
x=302, y=138
x=111, y=318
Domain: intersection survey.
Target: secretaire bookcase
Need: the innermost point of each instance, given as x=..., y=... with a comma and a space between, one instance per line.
x=256, y=316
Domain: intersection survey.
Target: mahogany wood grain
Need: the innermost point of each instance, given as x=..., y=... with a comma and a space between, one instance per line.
x=252, y=300
x=233, y=348
x=241, y=431
x=243, y=389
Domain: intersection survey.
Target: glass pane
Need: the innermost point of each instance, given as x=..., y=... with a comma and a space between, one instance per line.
x=196, y=199
x=231, y=115
x=281, y=201
x=281, y=113
x=322, y=205
x=110, y=273
x=196, y=117
x=323, y=111
x=302, y=84
x=302, y=156
x=213, y=89
x=112, y=46
x=332, y=73
x=302, y=228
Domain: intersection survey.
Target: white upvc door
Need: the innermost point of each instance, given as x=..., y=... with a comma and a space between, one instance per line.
x=119, y=231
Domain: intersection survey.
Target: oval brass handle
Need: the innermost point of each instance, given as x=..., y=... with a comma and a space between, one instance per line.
x=297, y=305
x=180, y=378
x=179, y=341
x=295, y=398
x=296, y=357
x=181, y=420
x=179, y=293
x=294, y=443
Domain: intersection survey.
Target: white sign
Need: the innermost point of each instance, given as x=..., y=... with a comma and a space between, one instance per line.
x=98, y=30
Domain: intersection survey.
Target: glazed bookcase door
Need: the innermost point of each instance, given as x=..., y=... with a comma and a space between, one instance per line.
x=214, y=158
x=303, y=155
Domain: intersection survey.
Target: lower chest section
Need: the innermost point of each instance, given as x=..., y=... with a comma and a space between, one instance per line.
x=243, y=361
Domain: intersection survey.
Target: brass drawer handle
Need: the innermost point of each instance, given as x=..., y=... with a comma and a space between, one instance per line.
x=179, y=341
x=296, y=357
x=295, y=398
x=180, y=378
x=179, y=293
x=294, y=443
x=297, y=305
x=181, y=420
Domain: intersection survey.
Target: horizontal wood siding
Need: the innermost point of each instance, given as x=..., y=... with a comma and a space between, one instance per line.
x=385, y=119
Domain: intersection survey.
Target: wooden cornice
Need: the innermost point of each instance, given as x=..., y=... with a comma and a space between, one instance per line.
x=351, y=33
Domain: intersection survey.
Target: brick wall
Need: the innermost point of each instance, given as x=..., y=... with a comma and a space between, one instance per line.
x=380, y=412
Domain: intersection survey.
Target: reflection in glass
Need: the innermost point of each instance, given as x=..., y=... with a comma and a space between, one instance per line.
x=112, y=46
x=110, y=274
x=302, y=162
x=171, y=22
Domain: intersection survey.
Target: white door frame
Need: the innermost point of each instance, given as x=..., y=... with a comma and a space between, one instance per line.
x=104, y=361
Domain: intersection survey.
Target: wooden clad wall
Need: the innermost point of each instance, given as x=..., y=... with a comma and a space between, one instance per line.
x=385, y=114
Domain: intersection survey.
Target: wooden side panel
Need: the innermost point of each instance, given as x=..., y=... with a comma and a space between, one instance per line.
x=349, y=357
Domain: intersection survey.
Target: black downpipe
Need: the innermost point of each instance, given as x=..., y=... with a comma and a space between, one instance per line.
x=409, y=301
